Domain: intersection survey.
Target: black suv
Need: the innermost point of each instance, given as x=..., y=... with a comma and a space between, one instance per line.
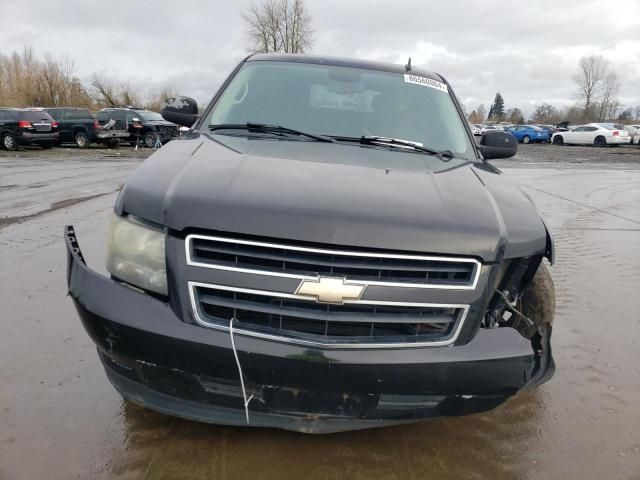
x=326, y=249
x=143, y=125
x=29, y=126
x=79, y=126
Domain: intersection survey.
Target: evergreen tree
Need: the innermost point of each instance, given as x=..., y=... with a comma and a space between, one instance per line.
x=497, y=109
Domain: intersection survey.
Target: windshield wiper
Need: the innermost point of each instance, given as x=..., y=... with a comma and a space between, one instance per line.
x=444, y=155
x=262, y=127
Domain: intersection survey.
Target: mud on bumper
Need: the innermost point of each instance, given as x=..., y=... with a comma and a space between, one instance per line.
x=157, y=360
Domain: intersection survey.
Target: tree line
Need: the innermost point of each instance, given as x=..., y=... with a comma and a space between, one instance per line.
x=597, y=86
x=282, y=26
x=29, y=81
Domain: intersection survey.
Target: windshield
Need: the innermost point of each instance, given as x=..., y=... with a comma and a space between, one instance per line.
x=149, y=116
x=35, y=116
x=344, y=102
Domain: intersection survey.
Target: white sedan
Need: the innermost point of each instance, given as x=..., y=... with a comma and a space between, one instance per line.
x=598, y=134
x=488, y=128
x=475, y=129
x=634, y=132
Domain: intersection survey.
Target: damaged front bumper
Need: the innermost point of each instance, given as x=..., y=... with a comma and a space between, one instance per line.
x=155, y=359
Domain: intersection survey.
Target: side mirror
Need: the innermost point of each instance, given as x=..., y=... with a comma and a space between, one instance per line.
x=494, y=144
x=136, y=119
x=180, y=110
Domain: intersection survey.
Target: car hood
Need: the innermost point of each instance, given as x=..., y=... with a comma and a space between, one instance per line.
x=345, y=195
x=160, y=123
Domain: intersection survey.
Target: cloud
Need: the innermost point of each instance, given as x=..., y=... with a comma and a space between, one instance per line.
x=527, y=51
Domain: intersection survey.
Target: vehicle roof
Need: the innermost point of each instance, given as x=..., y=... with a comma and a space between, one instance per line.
x=24, y=109
x=343, y=62
x=66, y=108
x=109, y=109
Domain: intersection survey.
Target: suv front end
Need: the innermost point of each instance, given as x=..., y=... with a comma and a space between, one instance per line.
x=398, y=352
x=270, y=277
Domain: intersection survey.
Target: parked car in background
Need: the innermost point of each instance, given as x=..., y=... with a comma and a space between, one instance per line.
x=488, y=128
x=634, y=132
x=547, y=128
x=28, y=126
x=529, y=134
x=598, y=134
x=145, y=125
x=79, y=126
x=476, y=129
x=504, y=126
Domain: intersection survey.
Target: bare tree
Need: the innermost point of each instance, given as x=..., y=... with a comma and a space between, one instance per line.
x=598, y=87
x=546, y=114
x=608, y=104
x=514, y=116
x=482, y=112
x=155, y=100
x=477, y=115
x=625, y=115
x=105, y=91
x=28, y=81
x=278, y=26
x=112, y=94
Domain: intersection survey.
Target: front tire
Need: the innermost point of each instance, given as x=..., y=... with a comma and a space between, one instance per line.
x=9, y=142
x=538, y=302
x=82, y=140
x=526, y=139
x=600, y=142
x=558, y=140
x=113, y=143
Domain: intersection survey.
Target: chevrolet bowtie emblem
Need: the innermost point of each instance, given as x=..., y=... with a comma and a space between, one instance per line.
x=330, y=290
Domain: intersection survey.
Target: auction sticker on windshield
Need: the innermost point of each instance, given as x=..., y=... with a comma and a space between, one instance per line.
x=426, y=82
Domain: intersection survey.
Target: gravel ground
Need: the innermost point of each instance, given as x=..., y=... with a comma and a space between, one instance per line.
x=548, y=154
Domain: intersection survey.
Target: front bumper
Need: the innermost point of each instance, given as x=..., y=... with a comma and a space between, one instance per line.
x=155, y=359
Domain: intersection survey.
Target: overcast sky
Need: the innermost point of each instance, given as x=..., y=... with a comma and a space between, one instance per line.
x=526, y=50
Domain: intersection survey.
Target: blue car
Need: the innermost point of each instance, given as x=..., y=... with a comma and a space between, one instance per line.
x=529, y=134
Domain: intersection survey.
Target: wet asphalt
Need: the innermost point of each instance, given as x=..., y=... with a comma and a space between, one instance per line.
x=61, y=419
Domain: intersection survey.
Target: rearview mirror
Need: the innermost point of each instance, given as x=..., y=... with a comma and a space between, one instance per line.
x=180, y=110
x=494, y=144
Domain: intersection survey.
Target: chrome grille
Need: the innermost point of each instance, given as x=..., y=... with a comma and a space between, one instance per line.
x=358, y=266
x=298, y=319
x=167, y=132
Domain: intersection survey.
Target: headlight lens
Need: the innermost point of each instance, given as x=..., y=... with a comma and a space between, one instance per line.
x=136, y=254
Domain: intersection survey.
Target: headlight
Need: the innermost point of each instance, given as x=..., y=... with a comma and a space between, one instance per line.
x=136, y=254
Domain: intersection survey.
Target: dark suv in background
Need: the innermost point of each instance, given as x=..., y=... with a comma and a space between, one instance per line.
x=140, y=123
x=29, y=126
x=79, y=126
